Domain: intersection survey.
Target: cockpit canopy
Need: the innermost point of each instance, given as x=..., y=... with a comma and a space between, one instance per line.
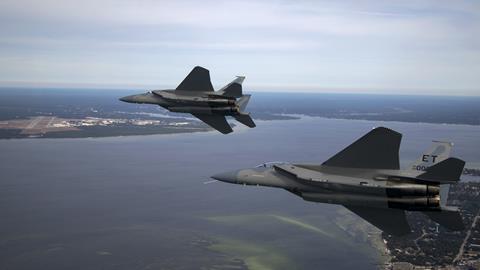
x=270, y=164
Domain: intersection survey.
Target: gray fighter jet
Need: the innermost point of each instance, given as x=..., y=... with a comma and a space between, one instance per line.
x=195, y=95
x=366, y=178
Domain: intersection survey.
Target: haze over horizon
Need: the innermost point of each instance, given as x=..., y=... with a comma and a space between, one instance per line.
x=412, y=47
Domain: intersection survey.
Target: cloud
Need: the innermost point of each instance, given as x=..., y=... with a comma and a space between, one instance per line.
x=418, y=21
x=325, y=43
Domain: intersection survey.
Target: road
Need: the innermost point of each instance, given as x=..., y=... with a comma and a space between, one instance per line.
x=462, y=247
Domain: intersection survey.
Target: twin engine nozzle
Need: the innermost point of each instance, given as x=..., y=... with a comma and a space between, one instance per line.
x=403, y=196
x=402, y=190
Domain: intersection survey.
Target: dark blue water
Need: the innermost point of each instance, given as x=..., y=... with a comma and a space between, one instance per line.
x=139, y=202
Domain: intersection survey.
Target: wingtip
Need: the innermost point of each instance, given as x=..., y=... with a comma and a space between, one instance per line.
x=240, y=79
x=200, y=68
x=445, y=142
x=386, y=130
x=226, y=132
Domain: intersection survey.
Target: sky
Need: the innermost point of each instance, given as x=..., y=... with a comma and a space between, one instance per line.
x=388, y=47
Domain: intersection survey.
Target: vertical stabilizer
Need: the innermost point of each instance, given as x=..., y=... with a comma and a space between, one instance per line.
x=233, y=89
x=444, y=190
x=444, y=173
x=243, y=102
x=438, y=152
x=243, y=117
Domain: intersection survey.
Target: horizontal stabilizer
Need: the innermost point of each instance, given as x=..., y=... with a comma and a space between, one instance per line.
x=245, y=119
x=391, y=221
x=197, y=80
x=378, y=149
x=217, y=122
x=233, y=89
x=451, y=220
x=447, y=171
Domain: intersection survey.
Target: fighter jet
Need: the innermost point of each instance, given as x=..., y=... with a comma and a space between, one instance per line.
x=366, y=178
x=195, y=95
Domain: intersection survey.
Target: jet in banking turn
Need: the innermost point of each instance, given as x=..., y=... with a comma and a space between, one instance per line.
x=195, y=95
x=366, y=178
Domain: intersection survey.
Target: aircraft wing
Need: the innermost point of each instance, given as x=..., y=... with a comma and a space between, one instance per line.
x=391, y=221
x=217, y=122
x=197, y=80
x=377, y=149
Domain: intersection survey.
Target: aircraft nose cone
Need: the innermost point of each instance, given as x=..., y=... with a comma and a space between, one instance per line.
x=229, y=177
x=129, y=99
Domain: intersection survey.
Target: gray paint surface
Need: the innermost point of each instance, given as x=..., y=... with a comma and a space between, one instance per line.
x=365, y=177
x=195, y=95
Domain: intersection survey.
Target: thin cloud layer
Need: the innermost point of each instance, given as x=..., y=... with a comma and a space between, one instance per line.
x=369, y=46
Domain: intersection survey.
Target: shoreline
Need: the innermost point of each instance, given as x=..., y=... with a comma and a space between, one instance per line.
x=294, y=117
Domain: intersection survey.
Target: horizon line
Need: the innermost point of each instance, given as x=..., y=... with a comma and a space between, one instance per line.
x=264, y=89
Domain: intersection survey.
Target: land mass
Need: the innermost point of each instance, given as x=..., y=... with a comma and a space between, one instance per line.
x=70, y=113
x=430, y=246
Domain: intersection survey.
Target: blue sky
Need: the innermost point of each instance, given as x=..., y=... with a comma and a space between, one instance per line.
x=392, y=47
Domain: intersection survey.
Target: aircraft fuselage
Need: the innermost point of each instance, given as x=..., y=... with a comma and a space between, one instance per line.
x=176, y=101
x=382, y=189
